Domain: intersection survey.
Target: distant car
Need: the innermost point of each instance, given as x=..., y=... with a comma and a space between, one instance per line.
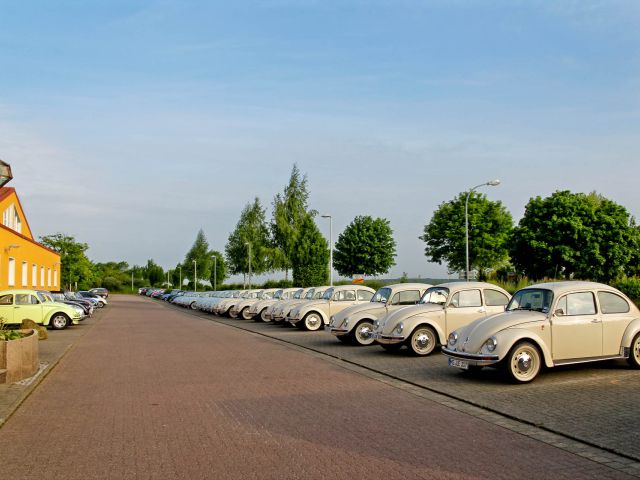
x=19, y=305
x=550, y=324
x=103, y=292
x=87, y=307
x=102, y=302
x=315, y=314
x=355, y=323
x=442, y=309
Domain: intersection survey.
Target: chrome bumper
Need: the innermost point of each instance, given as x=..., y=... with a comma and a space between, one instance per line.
x=479, y=359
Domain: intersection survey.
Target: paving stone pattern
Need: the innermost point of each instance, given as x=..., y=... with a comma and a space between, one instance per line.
x=596, y=402
x=152, y=393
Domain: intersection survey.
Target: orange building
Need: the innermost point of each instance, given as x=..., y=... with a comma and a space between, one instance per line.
x=24, y=263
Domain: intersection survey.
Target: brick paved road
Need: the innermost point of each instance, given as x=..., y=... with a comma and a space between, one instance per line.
x=596, y=403
x=150, y=392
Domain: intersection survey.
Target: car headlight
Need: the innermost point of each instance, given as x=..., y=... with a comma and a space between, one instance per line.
x=376, y=324
x=453, y=338
x=491, y=344
x=79, y=310
x=399, y=328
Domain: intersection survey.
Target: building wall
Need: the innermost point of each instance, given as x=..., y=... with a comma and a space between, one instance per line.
x=19, y=249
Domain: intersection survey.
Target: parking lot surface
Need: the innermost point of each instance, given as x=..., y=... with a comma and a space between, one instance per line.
x=152, y=391
x=594, y=403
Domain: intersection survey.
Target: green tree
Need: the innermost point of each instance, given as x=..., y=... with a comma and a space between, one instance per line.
x=200, y=253
x=490, y=225
x=289, y=211
x=112, y=275
x=310, y=257
x=176, y=276
x=154, y=273
x=76, y=267
x=220, y=269
x=251, y=229
x=575, y=235
x=365, y=247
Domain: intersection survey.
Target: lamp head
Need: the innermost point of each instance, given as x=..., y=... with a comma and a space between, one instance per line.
x=493, y=183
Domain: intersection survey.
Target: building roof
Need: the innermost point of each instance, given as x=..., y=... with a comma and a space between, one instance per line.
x=6, y=192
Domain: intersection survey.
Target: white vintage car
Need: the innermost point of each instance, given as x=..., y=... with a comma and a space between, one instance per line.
x=258, y=311
x=355, y=324
x=281, y=311
x=223, y=307
x=442, y=309
x=315, y=314
x=241, y=309
x=550, y=324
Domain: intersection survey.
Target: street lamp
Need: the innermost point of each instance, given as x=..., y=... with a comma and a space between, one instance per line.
x=195, y=275
x=5, y=173
x=249, y=245
x=167, y=279
x=180, y=267
x=215, y=266
x=330, y=248
x=491, y=183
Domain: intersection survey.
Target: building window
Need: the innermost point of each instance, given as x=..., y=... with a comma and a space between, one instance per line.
x=11, y=218
x=34, y=275
x=49, y=277
x=55, y=279
x=25, y=274
x=12, y=272
x=41, y=276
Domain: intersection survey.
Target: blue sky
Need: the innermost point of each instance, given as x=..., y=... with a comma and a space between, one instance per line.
x=132, y=124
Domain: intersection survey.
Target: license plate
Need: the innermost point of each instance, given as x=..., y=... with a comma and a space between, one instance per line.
x=454, y=362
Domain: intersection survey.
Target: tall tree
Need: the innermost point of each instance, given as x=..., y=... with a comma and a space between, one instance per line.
x=574, y=234
x=251, y=233
x=310, y=256
x=289, y=211
x=220, y=269
x=490, y=225
x=199, y=252
x=76, y=267
x=365, y=247
x=154, y=273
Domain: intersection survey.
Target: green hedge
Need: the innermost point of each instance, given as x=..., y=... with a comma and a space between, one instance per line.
x=629, y=286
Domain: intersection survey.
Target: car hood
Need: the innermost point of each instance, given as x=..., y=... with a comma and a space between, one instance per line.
x=372, y=309
x=390, y=321
x=474, y=335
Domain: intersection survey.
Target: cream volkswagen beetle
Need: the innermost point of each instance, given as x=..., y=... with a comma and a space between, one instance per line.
x=315, y=314
x=281, y=313
x=355, y=324
x=551, y=324
x=441, y=310
x=258, y=311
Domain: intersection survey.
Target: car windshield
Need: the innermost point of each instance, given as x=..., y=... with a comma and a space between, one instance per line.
x=437, y=295
x=328, y=293
x=535, y=299
x=298, y=294
x=310, y=294
x=382, y=295
x=58, y=297
x=278, y=295
x=42, y=297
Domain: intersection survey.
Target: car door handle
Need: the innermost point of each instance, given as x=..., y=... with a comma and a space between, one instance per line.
x=596, y=320
x=482, y=310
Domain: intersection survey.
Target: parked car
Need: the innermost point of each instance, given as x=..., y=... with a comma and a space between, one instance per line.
x=86, y=306
x=550, y=324
x=103, y=292
x=258, y=311
x=102, y=302
x=225, y=305
x=19, y=305
x=281, y=310
x=315, y=315
x=356, y=323
x=442, y=309
x=241, y=309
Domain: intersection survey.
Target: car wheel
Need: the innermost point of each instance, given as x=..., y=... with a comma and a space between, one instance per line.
x=391, y=347
x=245, y=313
x=263, y=316
x=232, y=314
x=312, y=322
x=523, y=362
x=101, y=304
x=362, y=334
x=422, y=341
x=59, y=321
x=634, y=354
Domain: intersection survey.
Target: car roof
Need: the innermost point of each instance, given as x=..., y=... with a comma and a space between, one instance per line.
x=571, y=285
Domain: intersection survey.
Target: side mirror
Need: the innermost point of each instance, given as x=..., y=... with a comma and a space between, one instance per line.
x=559, y=312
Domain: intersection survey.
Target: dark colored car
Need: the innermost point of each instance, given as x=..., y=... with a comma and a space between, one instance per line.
x=101, y=300
x=84, y=304
x=103, y=292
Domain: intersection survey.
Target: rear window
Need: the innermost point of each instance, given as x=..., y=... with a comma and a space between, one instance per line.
x=612, y=303
x=495, y=298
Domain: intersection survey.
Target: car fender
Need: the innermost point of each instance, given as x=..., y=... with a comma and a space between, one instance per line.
x=508, y=337
x=630, y=332
x=325, y=319
x=413, y=321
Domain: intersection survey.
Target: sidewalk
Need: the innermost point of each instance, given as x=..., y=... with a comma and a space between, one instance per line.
x=51, y=351
x=150, y=392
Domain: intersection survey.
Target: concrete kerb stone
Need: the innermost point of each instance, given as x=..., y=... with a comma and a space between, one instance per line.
x=594, y=453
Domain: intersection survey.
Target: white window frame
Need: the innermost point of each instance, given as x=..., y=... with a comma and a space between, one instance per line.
x=34, y=275
x=12, y=272
x=49, y=277
x=25, y=274
x=42, y=275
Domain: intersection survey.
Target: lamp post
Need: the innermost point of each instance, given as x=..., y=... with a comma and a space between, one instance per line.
x=491, y=183
x=330, y=248
x=215, y=267
x=195, y=275
x=180, y=267
x=167, y=279
x=249, y=245
x=132, y=280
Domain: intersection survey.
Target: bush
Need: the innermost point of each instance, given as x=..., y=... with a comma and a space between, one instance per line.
x=111, y=283
x=629, y=286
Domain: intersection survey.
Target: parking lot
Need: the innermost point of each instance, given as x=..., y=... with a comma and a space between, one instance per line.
x=592, y=403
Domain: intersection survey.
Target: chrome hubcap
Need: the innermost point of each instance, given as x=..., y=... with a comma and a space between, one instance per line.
x=636, y=350
x=59, y=322
x=312, y=321
x=422, y=341
x=524, y=362
x=365, y=334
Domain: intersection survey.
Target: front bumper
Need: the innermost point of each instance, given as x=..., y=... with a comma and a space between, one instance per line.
x=388, y=339
x=479, y=359
x=339, y=332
